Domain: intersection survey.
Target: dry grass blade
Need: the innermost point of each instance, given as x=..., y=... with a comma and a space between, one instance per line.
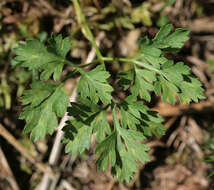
x=6, y=173
x=18, y=146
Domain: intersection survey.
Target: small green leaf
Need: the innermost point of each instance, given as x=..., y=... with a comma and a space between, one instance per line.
x=135, y=150
x=33, y=55
x=107, y=151
x=79, y=137
x=191, y=89
x=166, y=89
x=46, y=101
x=93, y=84
x=58, y=45
x=39, y=92
x=89, y=118
x=143, y=83
x=50, y=60
x=101, y=126
x=135, y=114
x=165, y=38
x=151, y=53
x=177, y=80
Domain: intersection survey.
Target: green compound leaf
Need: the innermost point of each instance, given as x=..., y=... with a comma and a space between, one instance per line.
x=113, y=145
x=168, y=79
x=121, y=143
x=34, y=55
x=93, y=84
x=123, y=148
x=46, y=102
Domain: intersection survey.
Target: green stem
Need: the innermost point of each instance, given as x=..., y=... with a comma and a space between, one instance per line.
x=71, y=74
x=70, y=63
x=142, y=64
x=121, y=59
x=87, y=29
